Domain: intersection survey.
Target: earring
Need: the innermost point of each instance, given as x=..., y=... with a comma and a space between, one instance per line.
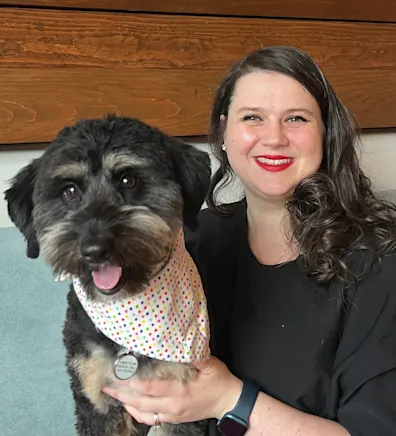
x=224, y=147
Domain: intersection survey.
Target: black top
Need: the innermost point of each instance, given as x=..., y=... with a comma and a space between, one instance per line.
x=298, y=343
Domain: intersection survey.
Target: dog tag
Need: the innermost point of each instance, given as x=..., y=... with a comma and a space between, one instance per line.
x=125, y=366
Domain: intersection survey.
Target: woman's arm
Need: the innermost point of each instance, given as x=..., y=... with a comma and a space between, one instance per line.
x=270, y=417
x=211, y=395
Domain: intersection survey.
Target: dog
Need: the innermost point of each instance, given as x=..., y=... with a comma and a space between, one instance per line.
x=106, y=205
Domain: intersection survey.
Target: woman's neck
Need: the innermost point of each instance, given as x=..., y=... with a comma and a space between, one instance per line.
x=270, y=235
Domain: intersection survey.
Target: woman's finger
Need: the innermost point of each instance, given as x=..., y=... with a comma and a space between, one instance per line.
x=142, y=417
x=142, y=403
x=146, y=417
x=123, y=394
x=155, y=388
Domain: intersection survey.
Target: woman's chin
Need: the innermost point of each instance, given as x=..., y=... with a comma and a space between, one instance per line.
x=276, y=193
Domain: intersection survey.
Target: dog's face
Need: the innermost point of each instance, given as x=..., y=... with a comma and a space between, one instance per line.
x=106, y=201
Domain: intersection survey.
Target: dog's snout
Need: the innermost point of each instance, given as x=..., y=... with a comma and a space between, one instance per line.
x=97, y=250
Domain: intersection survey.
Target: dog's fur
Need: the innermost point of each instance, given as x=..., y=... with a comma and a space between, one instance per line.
x=128, y=187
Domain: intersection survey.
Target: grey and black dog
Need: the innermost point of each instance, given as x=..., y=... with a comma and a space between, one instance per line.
x=109, y=190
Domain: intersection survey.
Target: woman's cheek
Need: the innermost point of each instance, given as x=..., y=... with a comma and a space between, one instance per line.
x=306, y=140
x=243, y=140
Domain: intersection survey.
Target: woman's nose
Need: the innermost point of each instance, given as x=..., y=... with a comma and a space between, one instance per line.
x=272, y=134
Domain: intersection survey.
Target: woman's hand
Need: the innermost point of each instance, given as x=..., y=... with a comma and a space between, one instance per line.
x=214, y=392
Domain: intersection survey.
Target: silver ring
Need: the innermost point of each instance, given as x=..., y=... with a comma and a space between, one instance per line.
x=157, y=422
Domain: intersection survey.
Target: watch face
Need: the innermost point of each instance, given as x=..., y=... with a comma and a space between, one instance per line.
x=232, y=426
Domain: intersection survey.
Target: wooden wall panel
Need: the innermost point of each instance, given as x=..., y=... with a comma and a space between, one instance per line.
x=36, y=38
x=364, y=10
x=58, y=66
x=37, y=102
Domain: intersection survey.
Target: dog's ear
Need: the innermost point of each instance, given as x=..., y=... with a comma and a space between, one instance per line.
x=20, y=205
x=192, y=167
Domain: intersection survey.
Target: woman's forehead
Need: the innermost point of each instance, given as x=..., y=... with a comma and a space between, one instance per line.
x=266, y=88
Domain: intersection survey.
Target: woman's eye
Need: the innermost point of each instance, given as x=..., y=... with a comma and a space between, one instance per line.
x=297, y=119
x=70, y=193
x=251, y=118
x=128, y=181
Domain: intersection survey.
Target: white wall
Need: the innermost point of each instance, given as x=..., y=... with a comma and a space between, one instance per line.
x=378, y=160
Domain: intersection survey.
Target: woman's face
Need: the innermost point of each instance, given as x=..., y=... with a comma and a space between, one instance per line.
x=273, y=134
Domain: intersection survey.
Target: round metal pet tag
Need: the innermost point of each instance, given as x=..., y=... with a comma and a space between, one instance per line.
x=125, y=366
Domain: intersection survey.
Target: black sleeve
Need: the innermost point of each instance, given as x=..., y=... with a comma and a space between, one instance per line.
x=196, y=241
x=367, y=369
x=372, y=408
x=213, y=246
x=214, y=242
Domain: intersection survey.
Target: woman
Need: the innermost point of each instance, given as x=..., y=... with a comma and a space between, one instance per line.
x=300, y=274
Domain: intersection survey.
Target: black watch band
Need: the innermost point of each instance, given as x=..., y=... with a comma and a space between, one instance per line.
x=236, y=422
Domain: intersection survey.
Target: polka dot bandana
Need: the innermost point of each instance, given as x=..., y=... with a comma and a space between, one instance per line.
x=168, y=321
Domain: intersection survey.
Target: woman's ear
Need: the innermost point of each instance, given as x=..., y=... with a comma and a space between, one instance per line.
x=222, y=127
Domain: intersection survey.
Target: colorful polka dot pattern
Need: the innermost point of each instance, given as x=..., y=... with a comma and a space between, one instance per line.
x=168, y=321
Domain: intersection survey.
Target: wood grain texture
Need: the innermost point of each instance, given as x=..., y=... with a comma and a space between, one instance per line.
x=35, y=103
x=59, y=66
x=364, y=10
x=37, y=38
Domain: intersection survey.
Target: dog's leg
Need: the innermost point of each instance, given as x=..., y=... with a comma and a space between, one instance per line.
x=93, y=372
x=116, y=422
x=97, y=413
x=90, y=422
x=90, y=360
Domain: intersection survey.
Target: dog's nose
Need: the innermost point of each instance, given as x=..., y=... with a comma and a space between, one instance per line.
x=96, y=250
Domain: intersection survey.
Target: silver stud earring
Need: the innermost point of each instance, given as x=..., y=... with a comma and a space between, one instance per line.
x=224, y=147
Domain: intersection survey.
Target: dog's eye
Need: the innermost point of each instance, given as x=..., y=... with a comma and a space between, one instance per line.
x=128, y=181
x=70, y=193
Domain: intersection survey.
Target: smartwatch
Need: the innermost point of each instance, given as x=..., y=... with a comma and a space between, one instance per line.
x=236, y=421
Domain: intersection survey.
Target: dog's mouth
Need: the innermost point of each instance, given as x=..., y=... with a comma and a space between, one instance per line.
x=107, y=279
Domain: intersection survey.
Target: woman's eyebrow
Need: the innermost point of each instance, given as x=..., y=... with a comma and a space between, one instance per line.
x=261, y=109
x=250, y=108
x=300, y=109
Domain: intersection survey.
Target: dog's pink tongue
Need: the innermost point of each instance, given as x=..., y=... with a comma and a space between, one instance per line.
x=107, y=277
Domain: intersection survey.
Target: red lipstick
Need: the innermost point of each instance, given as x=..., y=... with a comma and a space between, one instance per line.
x=274, y=163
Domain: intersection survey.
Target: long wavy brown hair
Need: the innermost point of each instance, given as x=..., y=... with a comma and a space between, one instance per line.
x=334, y=212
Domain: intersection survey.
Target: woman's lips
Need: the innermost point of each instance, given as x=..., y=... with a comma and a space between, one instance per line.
x=274, y=163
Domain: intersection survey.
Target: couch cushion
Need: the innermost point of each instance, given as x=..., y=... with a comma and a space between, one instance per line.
x=35, y=398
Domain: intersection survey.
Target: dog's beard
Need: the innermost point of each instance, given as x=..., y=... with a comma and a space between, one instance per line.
x=142, y=242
